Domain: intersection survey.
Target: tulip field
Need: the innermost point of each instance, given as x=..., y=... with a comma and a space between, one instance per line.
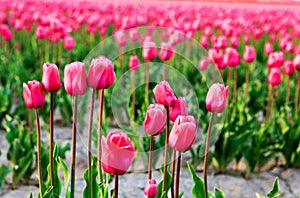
x=153, y=88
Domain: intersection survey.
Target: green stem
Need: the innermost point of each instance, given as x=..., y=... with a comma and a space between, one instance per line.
x=39, y=151
x=150, y=159
x=173, y=172
x=51, y=138
x=73, y=147
x=166, y=152
x=90, y=142
x=116, y=186
x=178, y=175
x=297, y=96
x=101, y=99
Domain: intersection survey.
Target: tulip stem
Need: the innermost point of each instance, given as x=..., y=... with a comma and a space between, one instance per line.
x=150, y=158
x=246, y=83
x=166, y=152
x=90, y=142
x=178, y=175
x=133, y=96
x=51, y=138
x=101, y=99
x=39, y=151
x=206, y=153
x=297, y=96
x=147, y=84
x=30, y=120
x=271, y=99
x=116, y=186
x=228, y=84
x=235, y=84
x=165, y=71
x=73, y=147
x=173, y=172
x=288, y=90
x=60, y=58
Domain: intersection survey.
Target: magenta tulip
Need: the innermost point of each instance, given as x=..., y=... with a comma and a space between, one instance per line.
x=69, y=42
x=204, y=41
x=166, y=51
x=249, y=54
x=120, y=37
x=275, y=59
x=216, y=98
x=134, y=62
x=75, y=79
x=33, y=94
x=117, y=153
x=134, y=35
x=155, y=119
x=183, y=133
x=51, y=79
x=288, y=68
x=289, y=47
x=149, y=50
x=178, y=108
x=204, y=63
x=296, y=62
x=101, y=74
x=274, y=77
x=163, y=94
x=268, y=48
x=232, y=57
x=151, y=188
x=234, y=42
x=246, y=39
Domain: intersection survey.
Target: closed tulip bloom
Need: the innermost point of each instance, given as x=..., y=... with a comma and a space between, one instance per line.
x=155, y=119
x=296, y=62
x=288, y=68
x=268, y=48
x=204, y=42
x=203, y=63
x=149, y=51
x=6, y=33
x=101, y=74
x=246, y=39
x=51, y=79
x=274, y=77
x=178, y=108
x=282, y=42
x=249, y=54
x=257, y=33
x=117, y=153
x=166, y=51
x=69, y=42
x=234, y=42
x=231, y=57
x=164, y=94
x=183, y=133
x=134, y=35
x=134, y=62
x=216, y=98
x=75, y=79
x=151, y=188
x=297, y=50
x=222, y=42
x=273, y=37
x=33, y=94
x=289, y=47
x=220, y=64
x=120, y=37
x=208, y=31
x=275, y=59
x=213, y=54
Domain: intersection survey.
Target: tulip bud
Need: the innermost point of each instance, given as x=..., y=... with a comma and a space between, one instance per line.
x=33, y=94
x=69, y=42
x=51, y=79
x=288, y=68
x=234, y=42
x=208, y=31
x=120, y=37
x=166, y=51
x=232, y=57
x=257, y=33
x=134, y=62
x=183, y=133
x=249, y=54
x=268, y=48
x=274, y=77
x=289, y=47
x=101, y=74
x=155, y=119
x=216, y=98
x=75, y=79
x=178, y=108
x=297, y=50
x=296, y=62
x=151, y=188
x=163, y=94
x=203, y=63
x=134, y=35
x=117, y=153
x=149, y=51
x=204, y=42
x=6, y=33
x=246, y=39
x=273, y=37
x=275, y=59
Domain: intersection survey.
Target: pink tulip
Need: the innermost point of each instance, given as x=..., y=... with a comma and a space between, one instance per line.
x=275, y=59
x=134, y=35
x=257, y=33
x=101, y=74
x=268, y=48
x=69, y=42
x=163, y=94
x=40, y=32
x=204, y=41
x=149, y=50
x=246, y=39
x=232, y=57
x=33, y=94
x=234, y=42
x=289, y=47
x=18, y=25
x=134, y=62
x=117, y=153
x=213, y=54
x=282, y=42
x=297, y=50
x=183, y=133
x=249, y=54
x=166, y=51
x=296, y=62
x=6, y=33
x=178, y=108
x=75, y=79
x=288, y=68
x=120, y=37
x=155, y=119
x=151, y=188
x=208, y=31
x=204, y=63
x=216, y=98
x=274, y=77
x=222, y=42
x=220, y=62
x=51, y=79
x=273, y=37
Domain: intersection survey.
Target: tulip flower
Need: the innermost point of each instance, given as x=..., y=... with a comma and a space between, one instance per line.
x=273, y=37
x=274, y=77
x=246, y=39
x=297, y=50
x=268, y=48
x=216, y=98
x=275, y=60
x=288, y=70
x=178, y=108
x=134, y=62
x=120, y=37
x=155, y=119
x=34, y=97
x=149, y=51
x=231, y=57
x=234, y=42
x=151, y=188
x=296, y=62
x=69, y=42
x=249, y=54
x=203, y=63
x=134, y=35
x=164, y=94
x=75, y=79
x=204, y=42
x=166, y=51
x=289, y=47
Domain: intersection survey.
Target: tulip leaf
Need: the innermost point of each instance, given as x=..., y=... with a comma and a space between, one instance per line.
x=198, y=190
x=275, y=192
x=4, y=170
x=93, y=184
x=168, y=184
x=259, y=196
x=65, y=170
x=181, y=194
x=31, y=195
x=219, y=193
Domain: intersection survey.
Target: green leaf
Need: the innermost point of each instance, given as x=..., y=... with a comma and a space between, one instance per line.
x=31, y=195
x=219, y=193
x=181, y=194
x=198, y=190
x=275, y=192
x=66, y=176
x=94, y=184
x=168, y=183
x=4, y=170
x=259, y=196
